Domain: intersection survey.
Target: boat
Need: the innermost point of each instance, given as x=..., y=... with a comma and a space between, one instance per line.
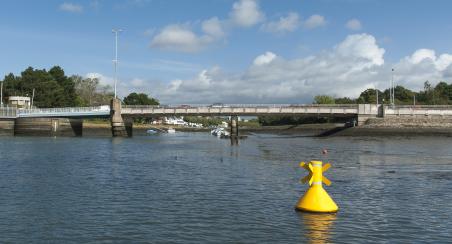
x=171, y=130
x=151, y=131
x=220, y=132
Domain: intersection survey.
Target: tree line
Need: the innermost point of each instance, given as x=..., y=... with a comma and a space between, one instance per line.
x=441, y=94
x=53, y=88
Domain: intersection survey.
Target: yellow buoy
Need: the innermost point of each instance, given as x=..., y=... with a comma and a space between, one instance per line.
x=316, y=199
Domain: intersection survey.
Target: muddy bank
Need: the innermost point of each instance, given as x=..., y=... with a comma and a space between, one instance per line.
x=307, y=130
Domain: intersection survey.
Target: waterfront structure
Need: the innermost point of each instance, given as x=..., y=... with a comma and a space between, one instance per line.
x=121, y=116
x=19, y=102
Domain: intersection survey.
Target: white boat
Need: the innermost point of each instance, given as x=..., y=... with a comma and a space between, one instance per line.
x=171, y=130
x=151, y=131
x=220, y=132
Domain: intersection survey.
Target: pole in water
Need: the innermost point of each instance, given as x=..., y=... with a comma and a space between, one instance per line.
x=316, y=199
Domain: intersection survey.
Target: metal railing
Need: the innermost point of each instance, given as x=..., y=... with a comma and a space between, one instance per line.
x=240, y=106
x=68, y=111
x=420, y=106
x=8, y=112
x=64, y=110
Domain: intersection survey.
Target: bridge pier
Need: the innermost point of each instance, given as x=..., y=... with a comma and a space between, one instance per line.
x=48, y=127
x=234, y=129
x=118, y=127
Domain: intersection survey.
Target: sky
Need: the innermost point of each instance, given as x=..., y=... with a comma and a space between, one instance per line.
x=234, y=51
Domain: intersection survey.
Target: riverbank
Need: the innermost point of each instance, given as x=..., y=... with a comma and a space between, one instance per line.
x=374, y=127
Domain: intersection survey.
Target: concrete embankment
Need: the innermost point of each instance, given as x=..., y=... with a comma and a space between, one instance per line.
x=402, y=126
x=416, y=126
x=6, y=127
x=48, y=127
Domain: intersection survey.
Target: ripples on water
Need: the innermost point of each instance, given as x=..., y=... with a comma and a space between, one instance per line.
x=192, y=188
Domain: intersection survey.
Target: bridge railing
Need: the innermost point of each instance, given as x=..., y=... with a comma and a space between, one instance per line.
x=421, y=106
x=239, y=106
x=8, y=112
x=67, y=110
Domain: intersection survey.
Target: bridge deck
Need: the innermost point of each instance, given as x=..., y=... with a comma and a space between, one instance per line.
x=241, y=110
x=326, y=110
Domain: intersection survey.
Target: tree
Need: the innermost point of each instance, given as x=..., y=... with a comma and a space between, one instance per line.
x=85, y=89
x=140, y=99
x=90, y=92
x=323, y=99
x=370, y=96
x=52, y=88
x=344, y=100
x=67, y=84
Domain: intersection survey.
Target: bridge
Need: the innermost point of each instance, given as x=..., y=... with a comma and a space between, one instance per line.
x=241, y=110
x=121, y=115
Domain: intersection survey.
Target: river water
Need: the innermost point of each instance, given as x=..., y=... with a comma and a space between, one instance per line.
x=195, y=188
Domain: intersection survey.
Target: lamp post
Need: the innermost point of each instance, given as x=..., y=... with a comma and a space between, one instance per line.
x=1, y=94
x=392, y=88
x=115, y=61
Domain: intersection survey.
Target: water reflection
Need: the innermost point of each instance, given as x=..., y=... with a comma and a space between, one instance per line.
x=317, y=227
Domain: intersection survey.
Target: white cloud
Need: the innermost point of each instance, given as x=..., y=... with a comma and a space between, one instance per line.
x=246, y=13
x=355, y=64
x=361, y=47
x=180, y=38
x=428, y=56
x=353, y=24
x=315, y=21
x=287, y=23
x=136, y=82
x=71, y=7
x=103, y=80
x=213, y=27
x=265, y=58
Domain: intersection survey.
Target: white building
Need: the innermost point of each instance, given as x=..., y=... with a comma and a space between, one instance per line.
x=19, y=102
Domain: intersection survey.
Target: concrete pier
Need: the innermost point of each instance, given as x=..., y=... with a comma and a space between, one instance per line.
x=48, y=127
x=234, y=129
x=7, y=127
x=119, y=128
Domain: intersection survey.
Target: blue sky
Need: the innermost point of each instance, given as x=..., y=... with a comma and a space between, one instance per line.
x=234, y=50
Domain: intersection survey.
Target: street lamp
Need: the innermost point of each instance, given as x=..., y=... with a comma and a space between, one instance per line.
x=392, y=88
x=1, y=94
x=115, y=61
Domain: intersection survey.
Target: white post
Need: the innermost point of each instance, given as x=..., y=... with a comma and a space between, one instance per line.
x=32, y=98
x=1, y=95
x=376, y=91
x=115, y=61
x=392, y=87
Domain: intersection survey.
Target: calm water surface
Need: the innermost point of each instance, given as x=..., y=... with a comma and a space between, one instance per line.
x=194, y=188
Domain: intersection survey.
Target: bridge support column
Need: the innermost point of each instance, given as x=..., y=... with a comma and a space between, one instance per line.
x=234, y=130
x=118, y=127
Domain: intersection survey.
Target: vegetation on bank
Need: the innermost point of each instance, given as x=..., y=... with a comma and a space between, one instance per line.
x=53, y=88
x=441, y=94
x=205, y=121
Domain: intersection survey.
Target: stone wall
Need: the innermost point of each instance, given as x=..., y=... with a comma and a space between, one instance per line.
x=413, y=121
x=6, y=127
x=48, y=127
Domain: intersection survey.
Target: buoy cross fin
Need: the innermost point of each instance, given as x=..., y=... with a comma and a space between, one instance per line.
x=307, y=178
x=325, y=167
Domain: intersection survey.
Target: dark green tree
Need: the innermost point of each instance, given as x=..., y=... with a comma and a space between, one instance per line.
x=140, y=99
x=52, y=89
x=324, y=99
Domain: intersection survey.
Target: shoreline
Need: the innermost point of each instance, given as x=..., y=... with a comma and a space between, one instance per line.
x=315, y=130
